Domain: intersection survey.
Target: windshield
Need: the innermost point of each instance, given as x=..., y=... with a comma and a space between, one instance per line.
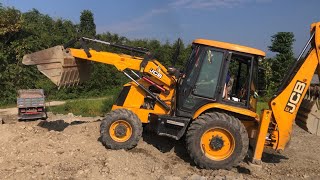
x=203, y=70
x=193, y=63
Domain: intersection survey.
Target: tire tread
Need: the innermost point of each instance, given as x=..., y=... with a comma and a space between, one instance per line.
x=201, y=122
x=116, y=115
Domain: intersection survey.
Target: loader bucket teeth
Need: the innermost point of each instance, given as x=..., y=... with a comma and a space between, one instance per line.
x=59, y=66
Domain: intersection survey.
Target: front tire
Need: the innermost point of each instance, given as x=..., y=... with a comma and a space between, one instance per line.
x=217, y=141
x=120, y=129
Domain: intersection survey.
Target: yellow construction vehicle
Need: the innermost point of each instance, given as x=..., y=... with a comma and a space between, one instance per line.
x=212, y=101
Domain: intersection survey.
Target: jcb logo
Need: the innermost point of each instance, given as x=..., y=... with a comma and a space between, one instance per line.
x=156, y=73
x=295, y=97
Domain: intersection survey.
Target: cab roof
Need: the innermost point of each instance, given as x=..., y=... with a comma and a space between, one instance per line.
x=229, y=46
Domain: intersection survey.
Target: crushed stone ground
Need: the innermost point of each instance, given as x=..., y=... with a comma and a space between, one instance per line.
x=68, y=147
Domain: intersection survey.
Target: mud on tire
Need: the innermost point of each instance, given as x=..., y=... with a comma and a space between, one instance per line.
x=125, y=118
x=207, y=124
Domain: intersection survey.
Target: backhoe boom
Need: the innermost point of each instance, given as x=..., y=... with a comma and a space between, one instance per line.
x=285, y=105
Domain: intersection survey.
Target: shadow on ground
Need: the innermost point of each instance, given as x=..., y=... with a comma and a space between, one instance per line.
x=60, y=125
x=272, y=157
x=166, y=144
x=243, y=170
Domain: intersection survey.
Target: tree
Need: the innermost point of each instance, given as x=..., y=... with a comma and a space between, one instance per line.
x=24, y=33
x=184, y=53
x=10, y=26
x=87, y=26
x=281, y=43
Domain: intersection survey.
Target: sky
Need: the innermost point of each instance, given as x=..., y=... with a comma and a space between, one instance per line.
x=246, y=22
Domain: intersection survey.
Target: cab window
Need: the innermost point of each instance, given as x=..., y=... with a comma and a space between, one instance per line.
x=209, y=73
x=237, y=79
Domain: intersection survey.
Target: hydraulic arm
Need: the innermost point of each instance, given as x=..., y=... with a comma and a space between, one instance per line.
x=71, y=57
x=276, y=123
x=70, y=66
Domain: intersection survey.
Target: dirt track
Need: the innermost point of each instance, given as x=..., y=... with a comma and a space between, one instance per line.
x=67, y=147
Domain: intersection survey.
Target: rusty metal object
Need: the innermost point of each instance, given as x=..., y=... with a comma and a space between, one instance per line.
x=59, y=66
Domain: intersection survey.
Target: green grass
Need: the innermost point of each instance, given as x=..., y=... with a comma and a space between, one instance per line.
x=2, y=106
x=84, y=107
x=101, y=106
x=261, y=105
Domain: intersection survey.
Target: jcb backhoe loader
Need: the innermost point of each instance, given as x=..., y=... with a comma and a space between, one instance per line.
x=213, y=101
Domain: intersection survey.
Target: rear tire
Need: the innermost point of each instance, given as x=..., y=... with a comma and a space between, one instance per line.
x=120, y=129
x=217, y=141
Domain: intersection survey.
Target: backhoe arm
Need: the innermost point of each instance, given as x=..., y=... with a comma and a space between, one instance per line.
x=276, y=124
x=290, y=94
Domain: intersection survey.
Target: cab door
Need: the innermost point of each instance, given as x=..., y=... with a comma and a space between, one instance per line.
x=201, y=80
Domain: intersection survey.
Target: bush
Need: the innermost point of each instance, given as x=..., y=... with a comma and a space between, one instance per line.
x=84, y=107
x=107, y=105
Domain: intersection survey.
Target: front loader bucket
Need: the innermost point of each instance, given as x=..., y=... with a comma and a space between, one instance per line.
x=59, y=66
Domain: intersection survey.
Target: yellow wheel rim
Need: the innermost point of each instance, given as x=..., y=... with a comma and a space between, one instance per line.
x=217, y=144
x=120, y=131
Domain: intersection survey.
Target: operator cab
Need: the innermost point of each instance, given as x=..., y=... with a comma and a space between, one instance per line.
x=218, y=72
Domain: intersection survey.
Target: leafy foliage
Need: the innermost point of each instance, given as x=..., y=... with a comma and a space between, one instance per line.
x=84, y=107
x=23, y=33
x=281, y=44
x=87, y=26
